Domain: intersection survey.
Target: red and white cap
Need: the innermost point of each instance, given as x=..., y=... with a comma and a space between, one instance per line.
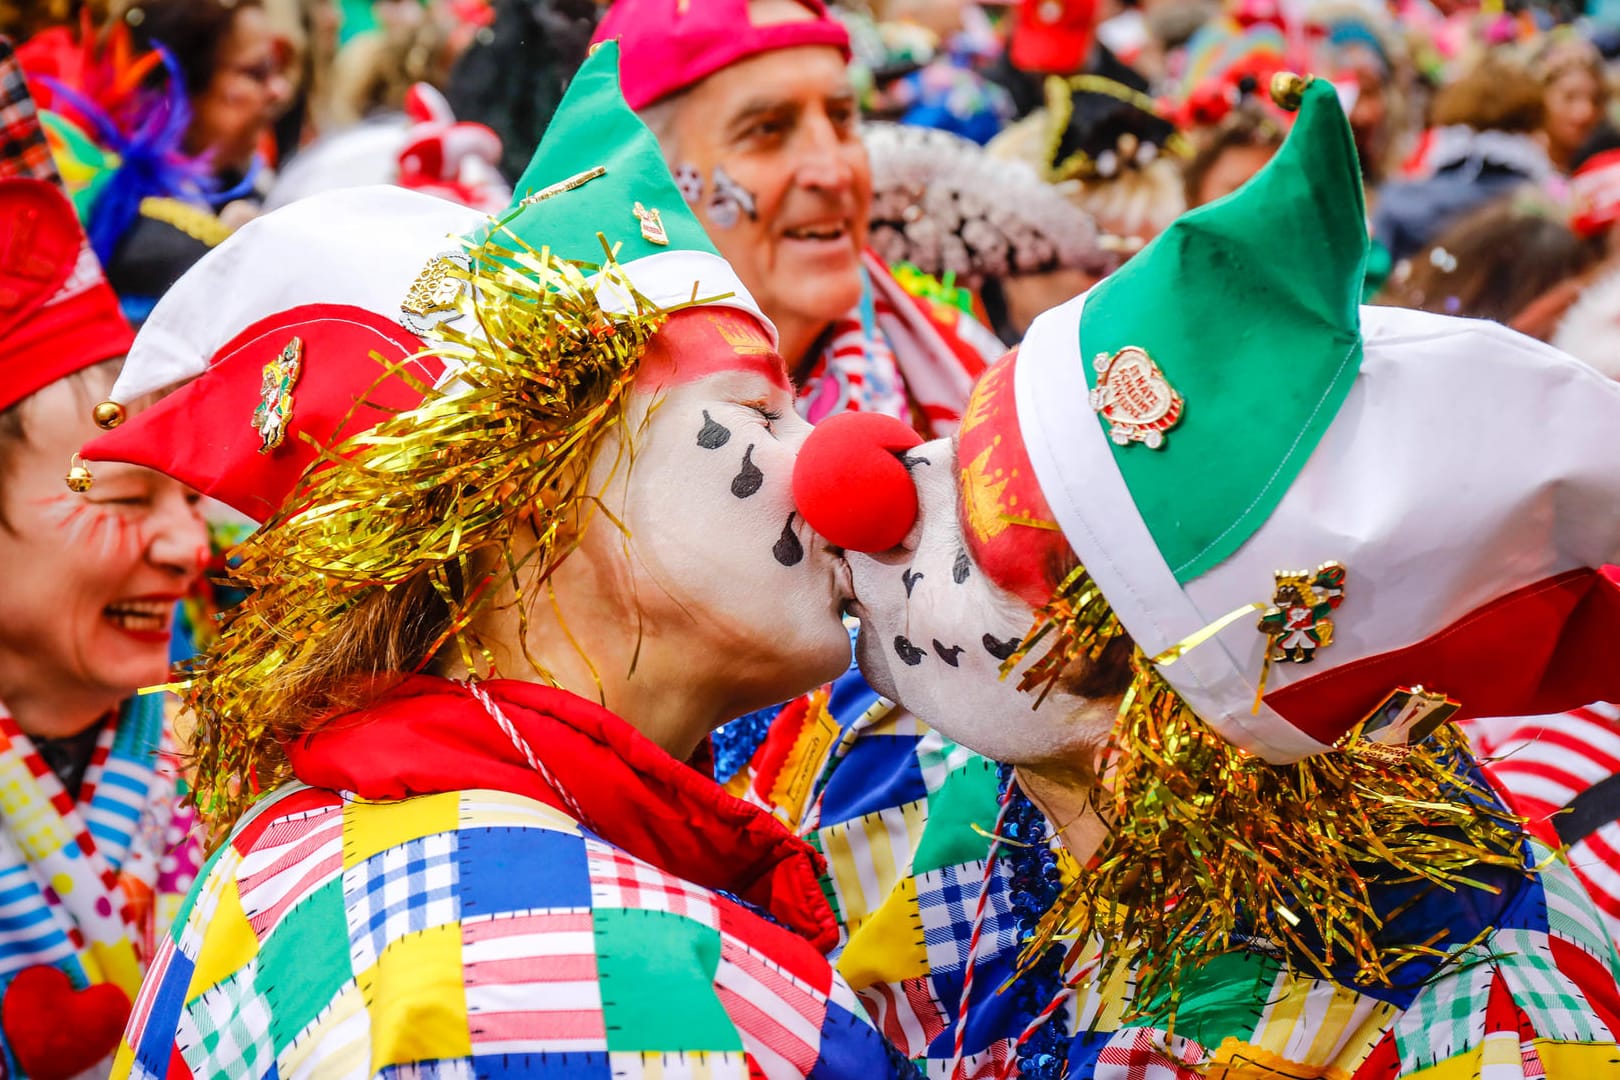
x=349, y=275
x=58, y=315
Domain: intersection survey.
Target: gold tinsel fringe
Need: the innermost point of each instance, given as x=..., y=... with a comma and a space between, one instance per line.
x=437, y=491
x=1212, y=850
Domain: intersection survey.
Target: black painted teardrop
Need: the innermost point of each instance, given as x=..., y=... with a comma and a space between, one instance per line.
x=748, y=478
x=907, y=652
x=959, y=569
x=910, y=578
x=1000, y=649
x=787, y=549
x=712, y=436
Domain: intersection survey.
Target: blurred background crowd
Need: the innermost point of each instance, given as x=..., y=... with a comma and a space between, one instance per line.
x=1017, y=151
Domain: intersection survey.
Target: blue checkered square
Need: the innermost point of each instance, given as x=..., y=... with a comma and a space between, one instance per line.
x=406, y=889
x=947, y=899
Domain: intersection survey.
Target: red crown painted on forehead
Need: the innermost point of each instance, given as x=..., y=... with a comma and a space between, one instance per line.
x=1008, y=525
x=698, y=342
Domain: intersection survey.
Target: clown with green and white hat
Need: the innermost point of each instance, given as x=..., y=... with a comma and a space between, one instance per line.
x=1213, y=559
x=527, y=537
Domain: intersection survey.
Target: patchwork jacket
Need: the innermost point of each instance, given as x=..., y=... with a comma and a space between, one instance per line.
x=435, y=898
x=903, y=817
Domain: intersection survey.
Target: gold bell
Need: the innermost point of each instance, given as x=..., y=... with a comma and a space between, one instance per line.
x=109, y=414
x=78, y=476
x=1288, y=89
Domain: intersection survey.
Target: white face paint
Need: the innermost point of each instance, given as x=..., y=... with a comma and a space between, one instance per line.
x=934, y=631
x=723, y=579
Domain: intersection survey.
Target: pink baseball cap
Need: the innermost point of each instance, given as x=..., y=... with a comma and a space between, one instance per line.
x=667, y=45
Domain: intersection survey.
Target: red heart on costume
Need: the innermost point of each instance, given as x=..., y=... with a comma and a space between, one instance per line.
x=55, y=1031
x=40, y=243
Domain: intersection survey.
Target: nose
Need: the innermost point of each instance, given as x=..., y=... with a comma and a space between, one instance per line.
x=850, y=485
x=179, y=537
x=824, y=158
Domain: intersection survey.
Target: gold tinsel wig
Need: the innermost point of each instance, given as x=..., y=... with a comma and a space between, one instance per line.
x=426, y=504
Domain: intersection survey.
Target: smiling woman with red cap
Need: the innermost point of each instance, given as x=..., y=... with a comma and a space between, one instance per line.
x=94, y=852
x=754, y=111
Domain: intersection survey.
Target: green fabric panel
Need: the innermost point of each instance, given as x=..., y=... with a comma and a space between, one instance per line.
x=657, y=976
x=1223, y=998
x=1250, y=307
x=297, y=989
x=967, y=798
x=594, y=127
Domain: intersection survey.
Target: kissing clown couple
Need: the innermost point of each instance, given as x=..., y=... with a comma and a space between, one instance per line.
x=536, y=519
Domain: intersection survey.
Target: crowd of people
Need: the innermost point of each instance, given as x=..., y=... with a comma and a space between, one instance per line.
x=751, y=538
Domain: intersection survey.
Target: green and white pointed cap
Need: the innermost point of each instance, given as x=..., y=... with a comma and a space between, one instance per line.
x=599, y=174
x=1220, y=414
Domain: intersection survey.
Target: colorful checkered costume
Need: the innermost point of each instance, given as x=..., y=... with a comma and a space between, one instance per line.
x=88, y=883
x=475, y=931
x=894, y=806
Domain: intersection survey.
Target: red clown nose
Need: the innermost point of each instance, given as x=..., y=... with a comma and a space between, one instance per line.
x=850, y=484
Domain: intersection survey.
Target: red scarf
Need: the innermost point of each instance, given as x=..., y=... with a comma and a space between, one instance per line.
x=431, y=735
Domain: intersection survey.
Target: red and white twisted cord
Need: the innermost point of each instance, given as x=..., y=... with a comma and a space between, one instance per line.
x=978, y=930
x=522, y=744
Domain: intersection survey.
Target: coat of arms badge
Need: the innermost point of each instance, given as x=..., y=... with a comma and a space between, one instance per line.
x=274, y=412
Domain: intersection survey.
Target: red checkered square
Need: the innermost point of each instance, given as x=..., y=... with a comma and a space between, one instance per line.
x=532, y=984
x=778, y=1015
x=619, y=880
x=909, y=1014
x=1143, y=1054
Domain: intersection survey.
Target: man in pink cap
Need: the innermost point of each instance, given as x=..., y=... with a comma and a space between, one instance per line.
x=753, y=108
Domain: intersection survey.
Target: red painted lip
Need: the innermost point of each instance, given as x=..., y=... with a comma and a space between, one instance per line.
x=167, y=598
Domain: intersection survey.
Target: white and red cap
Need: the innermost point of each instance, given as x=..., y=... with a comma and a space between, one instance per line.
x=333, y=271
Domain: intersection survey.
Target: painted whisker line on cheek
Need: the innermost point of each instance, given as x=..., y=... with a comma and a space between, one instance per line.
x=910, y=578
x=951, y=655
x=68, y=514
x=712, y=435
x=787, y=549
x=998, y=648
x=960, y=568
x=117, y=538
x=748, y=478
x=908, y=653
